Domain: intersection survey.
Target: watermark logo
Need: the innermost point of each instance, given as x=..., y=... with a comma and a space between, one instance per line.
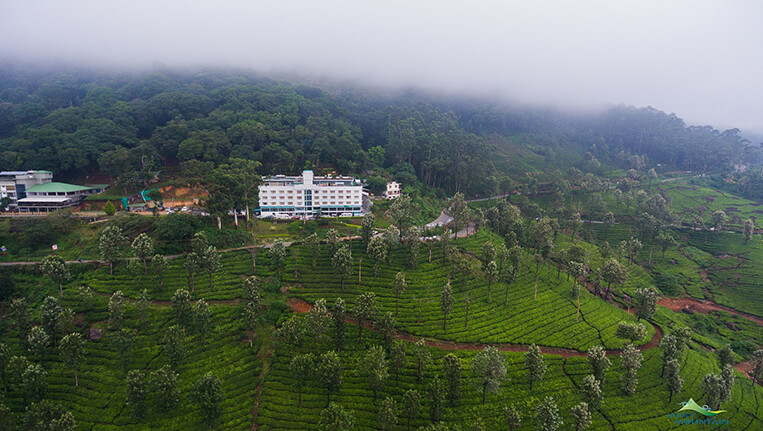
x=687, y=415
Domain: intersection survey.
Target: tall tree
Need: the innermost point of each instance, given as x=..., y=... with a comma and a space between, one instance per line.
x=211, y=262
x=547, y=416
x=302, y=368
x=207, y=392
x=164, y=384
x=50, y=314
x=535, y=365
x=291, y=332
x=599, y=362
x=411, y=405
x=613, y=273
x=339, y=313
x=54, y=267
x=336, y=418
x=38, y=343
x=397, y=356
x=277, y=254
x=174, y=345
x=72, y=348
x=436, y=395
x=313, y=245
x=401, y=211
x=160, y=265
x=388, y=414
x=318, y=320
x=631, y=359
x=367, y=228
x=748, y=229
x=489, y=368
x=116, y=310
x=757, y=366
x=342, y=263
x=377, y=249
x=646, y=302
x=423, y=358
x=143, y=248
x=491, y=275
x=398, y=288
x=451, y=369
x=182, y=309
x=20, y=314
x=665, y=240
x=459, y=211
x=33, y=382
x=718, y=219
x=330, y=373
x=581, y=417
x=332, y=242
x=202, y=319
x=511, y=417
x=375, y=368
x=673, y=377
x=137, y=392
x=110, y=242
x=365, y=310
x=725, y=355
x=590, y=390
x=446, y=304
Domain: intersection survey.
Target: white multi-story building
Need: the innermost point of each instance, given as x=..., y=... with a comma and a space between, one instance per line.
x=284, y=196
x=393, y=190
x=14, y=184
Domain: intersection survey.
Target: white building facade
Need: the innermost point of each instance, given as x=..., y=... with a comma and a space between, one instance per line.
x=306, y=196
x=14, y=184
x=393, y=190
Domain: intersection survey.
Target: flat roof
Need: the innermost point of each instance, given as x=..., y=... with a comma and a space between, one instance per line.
x=54, y=187
x=45, y=199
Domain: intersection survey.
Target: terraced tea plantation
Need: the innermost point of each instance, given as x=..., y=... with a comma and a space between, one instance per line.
x=259, y=390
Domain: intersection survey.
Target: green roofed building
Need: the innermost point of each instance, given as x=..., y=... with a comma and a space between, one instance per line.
x=36, y=192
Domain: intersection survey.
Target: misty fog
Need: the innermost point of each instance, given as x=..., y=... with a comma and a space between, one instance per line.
x=700, y=59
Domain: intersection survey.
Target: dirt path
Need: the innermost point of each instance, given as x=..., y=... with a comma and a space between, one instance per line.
x=704, y=307
x=303, y=306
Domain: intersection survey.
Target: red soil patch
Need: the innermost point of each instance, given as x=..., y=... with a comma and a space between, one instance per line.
x=704, y=307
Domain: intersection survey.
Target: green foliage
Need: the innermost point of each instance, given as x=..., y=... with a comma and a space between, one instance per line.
x=489, y=368
x=109, y=208
x=207, y=393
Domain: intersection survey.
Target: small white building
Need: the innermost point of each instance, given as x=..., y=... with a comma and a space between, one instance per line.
x=283, y=196
x=393, y=190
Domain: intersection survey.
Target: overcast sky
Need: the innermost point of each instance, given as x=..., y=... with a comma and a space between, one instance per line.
x=699, y=59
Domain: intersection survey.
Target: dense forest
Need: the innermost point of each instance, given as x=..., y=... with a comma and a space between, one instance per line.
x=128, y=125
